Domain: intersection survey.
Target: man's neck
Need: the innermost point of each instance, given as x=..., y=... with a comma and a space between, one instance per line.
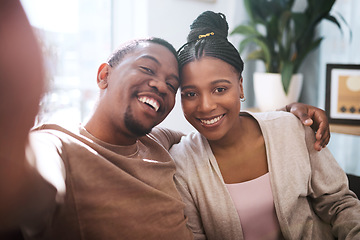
x=111, y=136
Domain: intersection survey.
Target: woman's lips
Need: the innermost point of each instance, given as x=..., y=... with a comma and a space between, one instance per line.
x=212, y=121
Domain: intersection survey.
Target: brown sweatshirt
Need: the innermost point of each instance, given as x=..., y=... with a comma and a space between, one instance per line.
x=115, y=192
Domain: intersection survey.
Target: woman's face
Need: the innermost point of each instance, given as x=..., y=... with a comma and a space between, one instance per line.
x=210, y=96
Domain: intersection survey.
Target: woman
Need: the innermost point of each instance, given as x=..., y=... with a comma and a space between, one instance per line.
x=251, y=176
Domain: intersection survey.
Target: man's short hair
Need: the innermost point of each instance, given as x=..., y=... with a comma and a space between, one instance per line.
x=132, y=45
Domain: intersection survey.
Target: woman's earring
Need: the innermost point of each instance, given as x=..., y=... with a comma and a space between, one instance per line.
x=243, y=99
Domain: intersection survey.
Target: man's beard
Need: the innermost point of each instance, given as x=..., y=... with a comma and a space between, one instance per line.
x=133, y=125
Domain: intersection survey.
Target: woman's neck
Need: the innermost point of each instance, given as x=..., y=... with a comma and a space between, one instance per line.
x=240, y=135
x=241, y=156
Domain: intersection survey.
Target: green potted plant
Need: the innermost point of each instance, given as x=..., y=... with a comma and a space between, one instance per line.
x=283, y=37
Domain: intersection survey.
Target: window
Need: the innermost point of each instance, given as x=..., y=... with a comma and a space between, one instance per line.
x=76, y=37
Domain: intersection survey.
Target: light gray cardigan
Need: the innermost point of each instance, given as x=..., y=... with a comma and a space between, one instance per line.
x=310, y=190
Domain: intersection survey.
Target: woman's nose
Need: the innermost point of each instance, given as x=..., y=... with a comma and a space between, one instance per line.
x=206, y=104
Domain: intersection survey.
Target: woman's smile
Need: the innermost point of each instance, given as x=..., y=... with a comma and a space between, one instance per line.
x=211, y=122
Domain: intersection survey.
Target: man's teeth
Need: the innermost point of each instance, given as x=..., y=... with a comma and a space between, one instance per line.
x=211, y=121
x=151, y=102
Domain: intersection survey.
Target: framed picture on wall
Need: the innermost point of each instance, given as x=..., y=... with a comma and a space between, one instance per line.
x=342, y=104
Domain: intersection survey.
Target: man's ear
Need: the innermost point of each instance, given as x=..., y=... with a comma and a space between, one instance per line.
x=102, y=77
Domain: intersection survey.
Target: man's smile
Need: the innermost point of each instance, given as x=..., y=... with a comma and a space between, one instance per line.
x=150, y=101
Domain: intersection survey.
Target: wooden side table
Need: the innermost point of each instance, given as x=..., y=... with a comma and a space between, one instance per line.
x=345, y=129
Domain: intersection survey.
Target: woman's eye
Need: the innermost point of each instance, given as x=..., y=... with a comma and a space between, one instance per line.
x=220, y=89
x=190, y=94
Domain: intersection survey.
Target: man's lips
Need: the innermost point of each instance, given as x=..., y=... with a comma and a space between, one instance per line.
x=152, y=102
x=211, y=121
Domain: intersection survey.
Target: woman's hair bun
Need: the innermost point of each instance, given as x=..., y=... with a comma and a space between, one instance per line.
x=208, y=22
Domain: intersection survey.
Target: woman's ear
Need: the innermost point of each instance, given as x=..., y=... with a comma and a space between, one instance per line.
x=102, y=77
x=241, y=88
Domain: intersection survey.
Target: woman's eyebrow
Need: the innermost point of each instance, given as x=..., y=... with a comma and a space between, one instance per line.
x=188, y=87
x=220, y=81
x=212, y=83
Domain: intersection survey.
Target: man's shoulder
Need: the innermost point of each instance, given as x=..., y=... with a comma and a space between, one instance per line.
x=164, y=136
x=191, y=143
x=58, y=135
x=75, y=129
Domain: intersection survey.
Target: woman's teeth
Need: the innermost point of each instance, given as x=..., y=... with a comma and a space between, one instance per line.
x=211, y=121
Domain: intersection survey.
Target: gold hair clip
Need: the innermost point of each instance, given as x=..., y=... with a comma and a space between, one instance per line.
x=206, y=35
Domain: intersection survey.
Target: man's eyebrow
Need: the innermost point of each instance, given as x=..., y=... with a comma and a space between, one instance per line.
x=176, y=77
x=150, y=57
x=155, y=60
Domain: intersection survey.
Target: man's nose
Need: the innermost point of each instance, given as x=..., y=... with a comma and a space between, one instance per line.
x=159, y=84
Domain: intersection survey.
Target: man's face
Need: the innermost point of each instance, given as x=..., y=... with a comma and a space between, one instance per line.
x=141, y=89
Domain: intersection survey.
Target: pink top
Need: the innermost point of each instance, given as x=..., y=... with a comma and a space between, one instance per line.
x=255, y=205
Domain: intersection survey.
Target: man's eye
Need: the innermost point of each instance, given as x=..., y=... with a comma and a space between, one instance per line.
x=172, y=87
x=148, y=70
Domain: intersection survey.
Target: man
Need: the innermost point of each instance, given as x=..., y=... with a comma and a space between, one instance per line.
x=108, y=179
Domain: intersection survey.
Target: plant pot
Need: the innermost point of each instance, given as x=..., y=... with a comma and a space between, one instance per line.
x=269, y=91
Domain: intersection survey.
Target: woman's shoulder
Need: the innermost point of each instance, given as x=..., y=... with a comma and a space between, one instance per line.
x=275, y=118
x=280, y=125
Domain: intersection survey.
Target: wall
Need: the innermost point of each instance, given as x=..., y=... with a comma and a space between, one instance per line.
x=342, y=48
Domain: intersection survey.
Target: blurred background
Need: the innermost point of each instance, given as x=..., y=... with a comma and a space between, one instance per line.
x=78, y=35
